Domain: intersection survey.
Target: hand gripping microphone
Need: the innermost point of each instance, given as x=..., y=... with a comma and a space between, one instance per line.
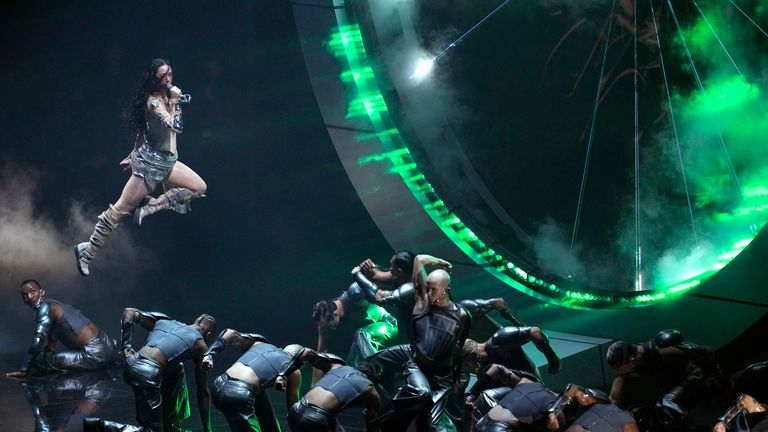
x=184, y=98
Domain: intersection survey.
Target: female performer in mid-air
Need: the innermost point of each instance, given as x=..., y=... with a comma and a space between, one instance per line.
x=155, y=115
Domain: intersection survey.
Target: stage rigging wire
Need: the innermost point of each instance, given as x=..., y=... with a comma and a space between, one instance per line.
x=592, y=131
x=599, y=96
x=638, y=251
x=714, y=33
x=729, y=162
x=749, y=18
x=456, y=42
x=674, y=126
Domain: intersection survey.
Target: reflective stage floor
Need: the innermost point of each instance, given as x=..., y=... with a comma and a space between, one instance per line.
x=62, y=401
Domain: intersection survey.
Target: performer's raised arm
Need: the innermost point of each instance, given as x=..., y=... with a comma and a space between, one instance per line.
x=420, y=265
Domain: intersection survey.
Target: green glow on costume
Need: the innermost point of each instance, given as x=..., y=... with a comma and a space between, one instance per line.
x=253, y=422
x=382, y=331
x=367, y=101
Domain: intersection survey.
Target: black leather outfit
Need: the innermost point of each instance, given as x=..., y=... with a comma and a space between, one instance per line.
x=604, y=418
x=100, y=352
x=240, y=402
x=438, y=335
x=346, y=383
x=528, y=402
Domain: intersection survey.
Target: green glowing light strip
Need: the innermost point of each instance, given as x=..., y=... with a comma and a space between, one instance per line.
x=346, y=44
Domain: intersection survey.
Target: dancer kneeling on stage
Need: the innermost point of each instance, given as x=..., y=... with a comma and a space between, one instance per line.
x=440, y=329
x=370, y=277
x=510, y=401
x=399, y=279
x=89, y=348
x=375, y=328
x=680, y=371
x=504, y=348
x=340, y=388
x=155, y=115
x=156, y=371
x=600, y=414
x=240, y=392
x=746, y=414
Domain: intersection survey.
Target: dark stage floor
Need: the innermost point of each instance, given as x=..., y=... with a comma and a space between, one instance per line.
x=64, y=400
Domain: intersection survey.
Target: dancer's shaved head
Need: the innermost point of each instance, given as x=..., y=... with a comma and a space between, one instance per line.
x=438, y=284
x=439, y=277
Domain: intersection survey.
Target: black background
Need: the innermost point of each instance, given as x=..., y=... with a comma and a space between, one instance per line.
x=281, y=225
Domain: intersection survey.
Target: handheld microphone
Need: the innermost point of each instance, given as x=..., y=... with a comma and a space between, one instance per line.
x=184, y=98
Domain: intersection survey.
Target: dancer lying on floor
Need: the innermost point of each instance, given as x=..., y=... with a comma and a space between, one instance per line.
x=87, y=346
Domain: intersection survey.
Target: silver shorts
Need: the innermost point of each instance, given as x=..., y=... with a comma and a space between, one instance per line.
x=151, y=165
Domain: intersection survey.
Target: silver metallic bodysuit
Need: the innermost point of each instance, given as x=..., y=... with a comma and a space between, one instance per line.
x=163, y=123
x=155, y=158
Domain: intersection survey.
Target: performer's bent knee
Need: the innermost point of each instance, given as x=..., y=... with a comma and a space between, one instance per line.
x=200, y=187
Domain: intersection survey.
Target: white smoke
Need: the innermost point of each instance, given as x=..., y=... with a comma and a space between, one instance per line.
x=37, y=244
x=552, y=250
x=34, y=244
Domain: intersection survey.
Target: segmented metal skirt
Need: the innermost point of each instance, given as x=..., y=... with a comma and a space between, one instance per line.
x=153, y=166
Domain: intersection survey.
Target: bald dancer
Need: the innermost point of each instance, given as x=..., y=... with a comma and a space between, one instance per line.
x=440, y=328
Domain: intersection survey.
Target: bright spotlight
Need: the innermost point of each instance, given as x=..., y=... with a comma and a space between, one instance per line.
x=423, y=67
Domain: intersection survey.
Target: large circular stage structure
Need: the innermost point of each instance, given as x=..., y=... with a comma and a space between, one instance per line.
x=590, y=158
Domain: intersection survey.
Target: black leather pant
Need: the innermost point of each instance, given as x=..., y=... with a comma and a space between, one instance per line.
x=487, y=400
x=242, y=406
x=305, y=417
x=99, y=353
x=391, y=361
x=487, y=424
x=423, y=398
x=151, y=387
x=672, y=409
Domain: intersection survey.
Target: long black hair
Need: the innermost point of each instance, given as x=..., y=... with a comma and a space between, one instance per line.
x=135, y=111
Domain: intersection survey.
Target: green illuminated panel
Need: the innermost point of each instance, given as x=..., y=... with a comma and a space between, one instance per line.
x=346, y=44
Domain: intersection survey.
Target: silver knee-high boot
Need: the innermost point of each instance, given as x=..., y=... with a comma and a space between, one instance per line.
x=85, y=252
x=176, y=199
